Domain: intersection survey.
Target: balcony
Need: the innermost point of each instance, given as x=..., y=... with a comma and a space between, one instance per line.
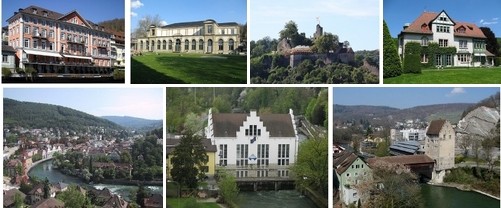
x=102, y=45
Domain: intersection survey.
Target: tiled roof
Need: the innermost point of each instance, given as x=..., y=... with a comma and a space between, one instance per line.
x=435, y=127
x=9, y=197
x=471, y=30
x=227, y=124
x=402, y=159
x=343, y=160
x=49, y=203
x=422, y=25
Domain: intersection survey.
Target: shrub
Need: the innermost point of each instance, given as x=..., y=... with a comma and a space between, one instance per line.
x=412, y=58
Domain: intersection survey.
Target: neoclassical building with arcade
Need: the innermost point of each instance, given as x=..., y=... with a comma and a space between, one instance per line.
x=206, y=36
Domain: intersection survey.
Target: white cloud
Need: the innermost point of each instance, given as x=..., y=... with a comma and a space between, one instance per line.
x=456, y=91
x=163, y=22
x=492, y=21
x=136, y=4
x=133, y=14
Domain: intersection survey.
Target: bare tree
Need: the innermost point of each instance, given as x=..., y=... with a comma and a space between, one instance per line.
x=144, y=25
x=465, y=143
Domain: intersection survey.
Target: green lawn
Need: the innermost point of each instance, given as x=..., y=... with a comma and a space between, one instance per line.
x=182, y=202
x=450, y=76
x=182, y=68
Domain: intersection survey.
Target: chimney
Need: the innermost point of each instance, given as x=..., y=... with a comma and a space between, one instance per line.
x=406, y=25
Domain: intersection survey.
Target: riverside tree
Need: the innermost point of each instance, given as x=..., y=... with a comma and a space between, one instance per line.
x=187, y=159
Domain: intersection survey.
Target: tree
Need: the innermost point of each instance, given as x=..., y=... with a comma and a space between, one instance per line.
x=391, y=63
x=74, y=198
x=488, y=145
x=392, y=185
x=228, y=187
x=290, y=30
x=492, y=43
x=326, y=42
x=144, y=25
x=193, y=123
x=46, y=189
x=465, y=143
x=187, y=159
x=141, y=194
x=311, y=167
x=125, y=157
x=18, y=201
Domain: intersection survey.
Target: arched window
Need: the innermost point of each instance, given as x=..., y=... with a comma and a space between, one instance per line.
x=164, y=45
x=209, y=46
x=158, y=45
x=424, y=41
x=147, y=45
x=231, y=44
x=170, y=45
x=186, y=45
x=152, y=44
x=220, y=44
x=201, y=45
x=178, y=45
x=193, y=44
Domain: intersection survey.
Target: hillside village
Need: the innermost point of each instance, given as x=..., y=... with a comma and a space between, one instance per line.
x=430, y=150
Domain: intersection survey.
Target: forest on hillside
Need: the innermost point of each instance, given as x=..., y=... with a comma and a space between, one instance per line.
x=188, y=106
x=117, y=24
x=39, y=115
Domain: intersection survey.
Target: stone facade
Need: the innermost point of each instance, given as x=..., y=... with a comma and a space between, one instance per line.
x=192, y=37
x=439, y=145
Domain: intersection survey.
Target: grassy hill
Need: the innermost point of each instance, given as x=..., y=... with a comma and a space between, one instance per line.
x=39, y=115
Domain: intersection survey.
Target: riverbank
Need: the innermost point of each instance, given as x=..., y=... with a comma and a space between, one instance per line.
x=463, y=187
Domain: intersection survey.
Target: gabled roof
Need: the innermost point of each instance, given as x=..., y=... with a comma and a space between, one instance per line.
x=78, y=15
x=7, y=48
x=227, y=124
x=422, y=25
x=435, y=127
x=343, y=160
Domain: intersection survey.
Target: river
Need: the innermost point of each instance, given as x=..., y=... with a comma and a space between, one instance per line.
x=46, y=170
x=439, y=197
x=272, y=199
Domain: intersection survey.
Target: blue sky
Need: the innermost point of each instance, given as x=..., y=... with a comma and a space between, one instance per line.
x=484, y=13
x=93, y=10
x=174, y=11
x=406, y=97
x=137, y=102
x=356, y=21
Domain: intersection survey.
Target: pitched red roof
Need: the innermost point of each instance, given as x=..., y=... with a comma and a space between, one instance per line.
x=422, y=25
x=435, y=127
x=471, y=30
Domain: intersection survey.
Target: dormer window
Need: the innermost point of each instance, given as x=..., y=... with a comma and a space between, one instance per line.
x=461, y=30
x=424, y=27
x=45, y=13
x=35, y=11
